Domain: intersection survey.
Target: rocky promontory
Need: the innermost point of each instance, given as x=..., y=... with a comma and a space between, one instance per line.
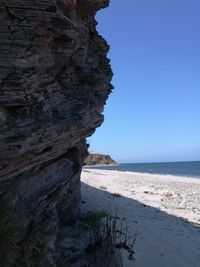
x=99, y=159
x=54, y=81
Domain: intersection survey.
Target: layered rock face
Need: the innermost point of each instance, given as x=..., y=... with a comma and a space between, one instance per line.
x=54, y=81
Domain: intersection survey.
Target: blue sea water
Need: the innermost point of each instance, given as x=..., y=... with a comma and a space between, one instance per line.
x=188, y=169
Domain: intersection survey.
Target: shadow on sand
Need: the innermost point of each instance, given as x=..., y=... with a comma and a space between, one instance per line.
x=163, y=240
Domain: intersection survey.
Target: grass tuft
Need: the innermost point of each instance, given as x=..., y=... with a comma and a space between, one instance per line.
x=92, y=219
x=6, y=236
x=103, y=187
x=116, y=195
x=109, y=234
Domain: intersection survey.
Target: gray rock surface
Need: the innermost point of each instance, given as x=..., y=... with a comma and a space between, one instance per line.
x=54, y=81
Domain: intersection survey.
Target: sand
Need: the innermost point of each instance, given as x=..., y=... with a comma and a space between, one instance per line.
x=162, y=209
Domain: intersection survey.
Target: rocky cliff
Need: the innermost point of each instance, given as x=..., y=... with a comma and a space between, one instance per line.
x=99, y=159
x=54, y=81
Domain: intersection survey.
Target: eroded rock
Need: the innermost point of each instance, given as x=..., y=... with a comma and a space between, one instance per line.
x=54, y=81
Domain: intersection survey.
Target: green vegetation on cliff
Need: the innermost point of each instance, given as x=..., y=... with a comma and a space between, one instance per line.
x=99, y=159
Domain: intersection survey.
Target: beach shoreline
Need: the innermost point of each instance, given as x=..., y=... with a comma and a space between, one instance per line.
x=99, y=165
x=139, y=173
x=164, y=209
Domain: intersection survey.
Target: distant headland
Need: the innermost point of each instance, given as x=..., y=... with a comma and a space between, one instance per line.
x=99, y=159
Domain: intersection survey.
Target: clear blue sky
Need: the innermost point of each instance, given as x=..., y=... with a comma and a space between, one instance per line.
x=153, y=113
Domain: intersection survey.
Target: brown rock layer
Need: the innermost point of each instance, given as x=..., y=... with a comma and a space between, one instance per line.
x=54, y=81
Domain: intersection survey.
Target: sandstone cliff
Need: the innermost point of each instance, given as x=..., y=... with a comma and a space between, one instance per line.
x=54, y=81
x=99, y=159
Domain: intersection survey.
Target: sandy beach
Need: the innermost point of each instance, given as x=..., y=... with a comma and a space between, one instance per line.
x=162, y=209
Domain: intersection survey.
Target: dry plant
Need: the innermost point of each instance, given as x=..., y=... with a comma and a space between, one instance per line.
x=109, y=234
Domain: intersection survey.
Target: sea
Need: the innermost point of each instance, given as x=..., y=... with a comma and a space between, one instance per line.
x=186, y=169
